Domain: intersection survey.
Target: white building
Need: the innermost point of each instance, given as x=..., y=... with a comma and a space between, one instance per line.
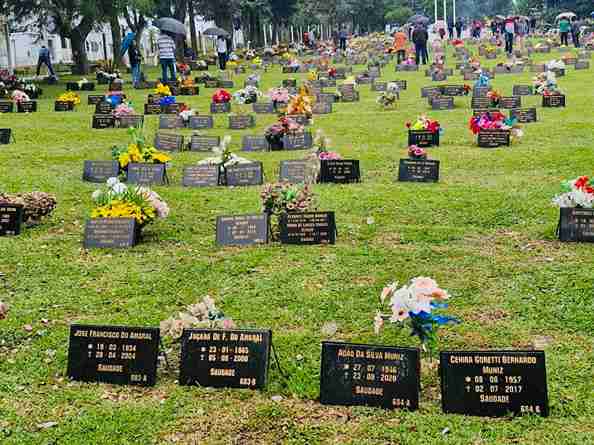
x=24, y=46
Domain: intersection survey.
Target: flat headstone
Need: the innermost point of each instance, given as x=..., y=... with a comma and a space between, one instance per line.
x=480, y=103
x=295, y=172
x=201, y=122
x=418, y=170
x=254, y=143
x=322, y=108
x=241, y=122
x=225, y=358
x=453, y=90
x=344, y=171
x=6, y=106
x=104, y=107
x=510, y=102
x=11, y=219
x=524, y=115
x=493, y=383
x=147, y=174
x=430, y=91
x=442, y=103
x=423, y=138
x=576, y=224
x=523, y=90
x=101, y=122
x=582, y=65
x=308, y=228
x=300, y=141
x=201, y=176
x=242, y=230
x=94, y=99
x=204, y=143
x=100, y=171
x=5, y=135
x=220, y=108
x=131, y=121
x=263, y=108
x=170, y=122
x=494, y=138
x=169, y=142
x=152, y=109
x=27, y=107
x=119, y=355
x=110, y=233
x=368, y=375
x=245, y=174
x=556, y=101
x=61, y=106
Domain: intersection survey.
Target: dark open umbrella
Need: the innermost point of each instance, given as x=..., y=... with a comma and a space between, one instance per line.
x=171, y=25
x=419, y=19
x=216, y=32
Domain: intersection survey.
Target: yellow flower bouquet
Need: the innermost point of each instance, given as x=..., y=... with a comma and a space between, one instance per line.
x=70, y=96
x=163, y=90
x=138, y=151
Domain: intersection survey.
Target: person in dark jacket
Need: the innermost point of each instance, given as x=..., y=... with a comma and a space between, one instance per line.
x=135, y=62
x=459, y=26
x=45, y=59
x=420, y=36
x=575, y=31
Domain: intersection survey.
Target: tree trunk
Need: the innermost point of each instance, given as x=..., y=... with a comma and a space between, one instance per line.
x=79, y=49
x=116, y=38
x=191, y=14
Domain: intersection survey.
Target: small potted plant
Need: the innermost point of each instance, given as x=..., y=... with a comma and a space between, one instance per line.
x=418, y=303
x=283, y=197
x=117, y=200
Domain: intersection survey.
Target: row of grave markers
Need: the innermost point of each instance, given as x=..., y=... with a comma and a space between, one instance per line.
x=481, y=383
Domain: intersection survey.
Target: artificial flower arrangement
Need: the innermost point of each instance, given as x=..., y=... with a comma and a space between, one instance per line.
x=281, y=198
x=415, y=152
x=186, y=114
x=495, y=97
x=388, y=99
x=19, y=96
x=69, y=97
x=32, y=90
x=577, y=193
x=490, y=51
x=36, y=205
x=138, y=151
x=123, y=109
x=203, y=315
x=496, y=121
x=188, y=82
x=417, y=302
x=247, y=95
x=280, y=97
x=331, y=73
x=221, y=97
x=321, y=145
x=302, y=103
x=232, y=64
x=117, y=200
x=545, y=84
x=184, y=69
x=82, y=82
x=256, y=61
x=409, y=61
x=423, y=123
x=162, y=90
x=223, y=158
x=277, y=131
x=553, y=65
x=115, y=98
x=483, y=81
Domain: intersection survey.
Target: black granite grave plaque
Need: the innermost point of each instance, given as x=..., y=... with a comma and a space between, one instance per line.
x=29, y=106
x=493, y=383
x=100, y=171
x=322, y=108
x=556, y=101
x=225, y=358
x=494, y=138
x=254, y=143
x=110, y=233
x=242, y=230
x=6, y=106
x=169, y=142
x=241, y=122
x=170, y=122
x=94, y=99
x=379, y=86
x=299, y=141
x=245, y=174
x=524, y=115
x=104, y=108
x=576, y=224
x=204, y=143
x=478, y=102
x=263, y=108
x=354, y=374
x=220, y=108
x=201, y=122
x=523, y=90
x=11, y=219
x=147, y=174
x=118, y=355
x=510, y=102
x=103, y=121
x=442, y=103
x=344, y=171
x=423, y=138
x=308, y=228
x=131, y=121
x=5, y=135
x=152, y=109
x=418, y=170
x=61, y=106
x=201, y=176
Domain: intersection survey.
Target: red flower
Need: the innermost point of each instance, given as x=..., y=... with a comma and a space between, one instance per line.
x=582, y=182
x=221, y=97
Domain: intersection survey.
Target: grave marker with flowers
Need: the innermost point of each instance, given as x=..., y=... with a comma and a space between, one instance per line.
x=576, y=210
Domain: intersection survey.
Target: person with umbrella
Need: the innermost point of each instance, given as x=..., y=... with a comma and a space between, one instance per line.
x=420, y=37
x=564, y=28
x=129, y=46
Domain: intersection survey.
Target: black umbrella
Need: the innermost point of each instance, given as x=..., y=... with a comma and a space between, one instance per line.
x=216, y=32
x=418, y=18
x=171, y=25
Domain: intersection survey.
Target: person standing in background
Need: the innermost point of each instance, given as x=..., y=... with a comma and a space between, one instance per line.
x=343, y=39
x=576, y=24
x=459, y=26
x=135, y=64
x=166, y=46
x=44, y=58
x=521, y=32
x=532, y=25
x=400, y=41
x=510, y=32
x=420, y=36
x=564, y=28
x=222, y=52
x=450, y=28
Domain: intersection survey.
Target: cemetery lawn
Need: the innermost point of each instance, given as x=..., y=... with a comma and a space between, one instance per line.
x=485, y=232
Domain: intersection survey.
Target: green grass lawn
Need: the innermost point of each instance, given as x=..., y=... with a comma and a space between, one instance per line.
x=486, y=232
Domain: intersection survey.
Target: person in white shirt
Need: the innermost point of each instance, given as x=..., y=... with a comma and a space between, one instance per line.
x=222, y=52
x=166, y=46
